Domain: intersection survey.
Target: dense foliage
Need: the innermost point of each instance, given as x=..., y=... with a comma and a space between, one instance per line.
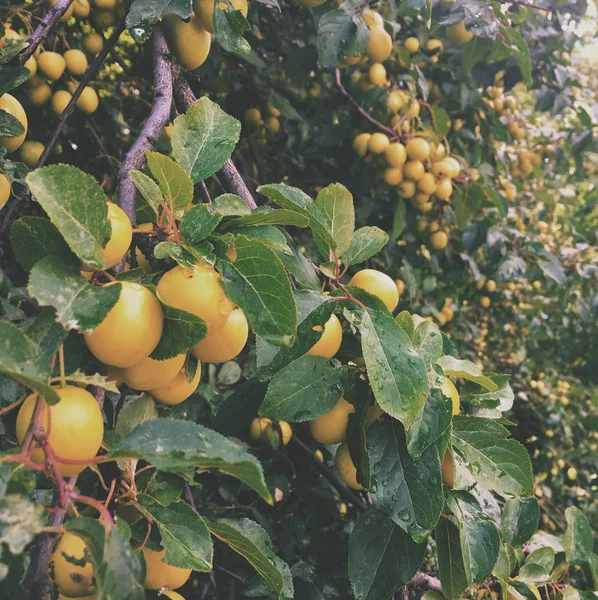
x=298, y=300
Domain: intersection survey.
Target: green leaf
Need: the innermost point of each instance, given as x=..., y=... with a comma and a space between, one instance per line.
x=340, y=33
x=408, y=492
x=257, y=282
x=185, y=255
x=265, y=215
x=143, y=12
x=34, y=238
x=182, y=330
x=230, y=205
x=229, y=26
x=270, y=235
x=577, y=540
x=499, y=201
x=467, y=370
x=520, y=517
x=10, y=126
x=204, y=138
x=77, y=205
x=284, y=106
x=175, y=185
x=520, y=50
x=13, y=77
x=382, y=557
x=480, y=541
x=366, y=242
x=429, y=424
x=240, y=407
x=198, y=223
x=11, y=50
x=292, y=198
x=450, y=559
x=78, y=304
x=148, y=188
x=497, y=463
x=538, y=565
x=25, y=361
x=163, y=488
x=141, y=409
x=405, y=322
x=299, y=267
x=473, y=52
x=185, y=536
x=251, y=541
x=397, y=374
x=96, y=379
x=399, y=221
x=336, y=204
x=427, y=341
x=20, y=522
x=441, y=120
x=305, y=389
x=173, y=446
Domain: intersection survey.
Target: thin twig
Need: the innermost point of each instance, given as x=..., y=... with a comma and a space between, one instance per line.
x=91, y=72
x=362, y=111
x=157, y=119
x=344, y=492
x=43, y=29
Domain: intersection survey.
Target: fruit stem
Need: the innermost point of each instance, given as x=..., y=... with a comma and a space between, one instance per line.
x=61, y=363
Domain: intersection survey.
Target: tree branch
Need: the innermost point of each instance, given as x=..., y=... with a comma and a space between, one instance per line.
x=360, y=110
x=337, y=483
x=157, y=119
x=91, y=72
x=228, y=175
x=43, y=29
x=422, y=580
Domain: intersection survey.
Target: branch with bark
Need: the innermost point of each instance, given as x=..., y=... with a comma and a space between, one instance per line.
x=43, y=29
x=157, y=119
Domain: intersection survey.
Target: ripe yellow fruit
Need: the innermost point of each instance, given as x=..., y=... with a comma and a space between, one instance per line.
x=81, y=9
x=40, y=95
x=378, y=284
x=345, y=467
x=13, y=107
x=413, y=109
x=373, y=18
x=75, y=426
x=360, y=143
x=177, y=390
x=393, y=175
x=131, y=330
x=439, y=240
x=434, y=45
x=444, y=189
x=330, y=342
x=72, y=580
x=5, y=189
x=434, y=226
x=104, y=18
x=448, y=469
x=450, y=391
x=30, y=153
x=204, y=10
x=273, y=124
x=105, y=4
x=458, y=34
x=88, y=101
x=374, y=412
x=258, y=428
x=379, y=45
x=331, y=427
x=69, y=11
x=572, y=473
x=253, y=118
x=400, y=284
x=161, y=575
x=198, y=291
x=75, y=61
x=485, y=301
x=395, y=154
x=60, y=100
x=120, y=236
x=225, y=343
x=412, y=45
x=31, y=64
x=418, y=149
x=188, y=41
x=447, y=167
x=394, y=101
x=51, y=64
x=173, y=595
x=272, y=111
x=438, y=152
x=148, y=373
x=491, y=285
x=406, y=189
x=378, y=142
x=427, y=184
x=377, y=74
x=280, y=431
x=414, y=169
x=93, y=43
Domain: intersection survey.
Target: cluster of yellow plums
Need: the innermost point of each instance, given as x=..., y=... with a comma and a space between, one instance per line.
x=254, y=121
x=74, y=578
x=190, y=40
x=486, y=285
